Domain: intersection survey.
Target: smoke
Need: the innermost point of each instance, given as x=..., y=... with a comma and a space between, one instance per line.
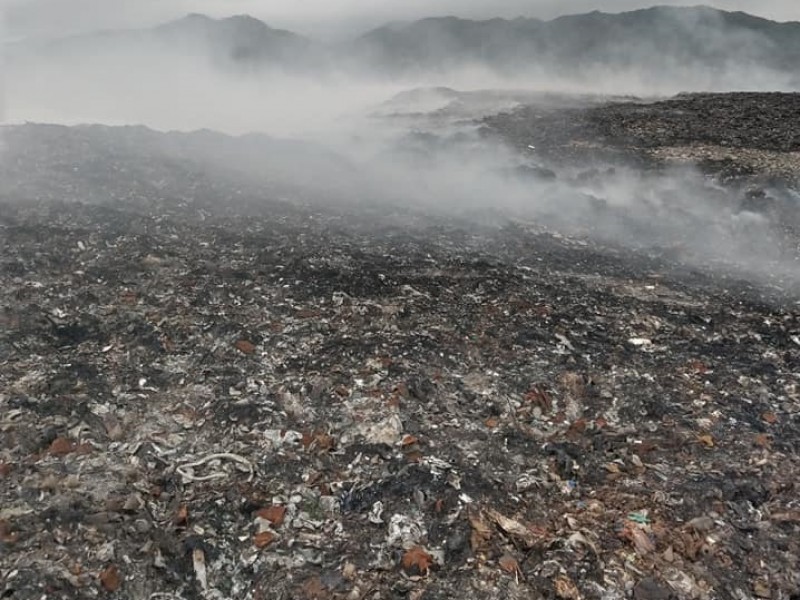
x=415, y=152
x=678, y=214
x=239, y=75
x=2, y=73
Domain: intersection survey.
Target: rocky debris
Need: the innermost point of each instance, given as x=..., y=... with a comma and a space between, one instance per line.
x=280, y=401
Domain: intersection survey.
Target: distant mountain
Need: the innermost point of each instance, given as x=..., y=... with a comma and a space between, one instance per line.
x=239, y=41
x=663, y=42
x=650, y=38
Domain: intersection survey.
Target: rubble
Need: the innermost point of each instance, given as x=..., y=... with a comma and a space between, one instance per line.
x=276, y=400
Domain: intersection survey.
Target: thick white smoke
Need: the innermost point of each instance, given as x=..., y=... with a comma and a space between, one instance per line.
x=429, y=156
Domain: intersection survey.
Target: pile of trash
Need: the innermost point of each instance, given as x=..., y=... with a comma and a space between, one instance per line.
x=283, y=401
x=733, y=136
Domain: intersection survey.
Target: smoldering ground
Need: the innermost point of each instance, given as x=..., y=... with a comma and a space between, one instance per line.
x=357, y=139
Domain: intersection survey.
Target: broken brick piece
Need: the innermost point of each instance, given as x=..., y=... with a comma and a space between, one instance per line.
x=182, y=516
x=6, y=535
x=416, y=561
x=245, y=346
x=509, y=564
x=274, y=514
x=110, y=578
x=61, y=446
x=263, y=539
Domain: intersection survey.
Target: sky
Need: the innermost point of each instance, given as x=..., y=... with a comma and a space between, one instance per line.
x=324, y=18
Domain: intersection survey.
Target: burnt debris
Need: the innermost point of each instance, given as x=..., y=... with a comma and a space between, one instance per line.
x=268, y=399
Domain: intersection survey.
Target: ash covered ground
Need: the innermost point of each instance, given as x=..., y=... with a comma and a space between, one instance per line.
x=572, y=374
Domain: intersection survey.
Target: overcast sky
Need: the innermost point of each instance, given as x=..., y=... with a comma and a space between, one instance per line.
x=24, y=18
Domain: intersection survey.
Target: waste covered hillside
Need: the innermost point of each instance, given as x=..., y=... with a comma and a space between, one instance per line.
x=266, y=398
x=733, y=135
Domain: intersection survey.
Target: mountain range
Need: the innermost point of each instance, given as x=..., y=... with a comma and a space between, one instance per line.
x=648, y=39
x=643, y=37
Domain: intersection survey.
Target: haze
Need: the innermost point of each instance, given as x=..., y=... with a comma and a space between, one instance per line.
x=424, y=148
x=50, y=18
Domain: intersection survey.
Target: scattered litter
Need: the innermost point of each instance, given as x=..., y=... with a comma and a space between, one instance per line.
x=183, y=469
x=199, y=564
x=639, y=517
x=225, y=394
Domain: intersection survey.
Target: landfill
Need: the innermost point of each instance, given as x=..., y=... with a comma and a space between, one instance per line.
x=270, y=399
